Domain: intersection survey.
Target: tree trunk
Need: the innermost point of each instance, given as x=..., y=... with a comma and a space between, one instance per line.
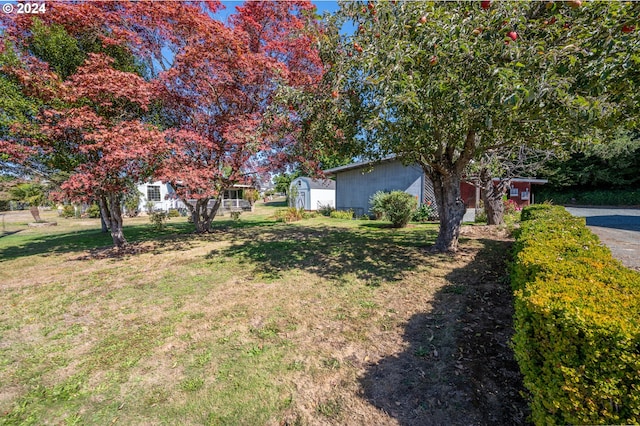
x=103, y=224
x=35, y=213
x=201, y=215
x=451, y=209
x=492, y=197
x=111, y=211
x=494, y=209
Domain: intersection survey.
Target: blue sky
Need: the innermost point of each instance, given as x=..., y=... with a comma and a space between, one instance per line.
x=322, y=5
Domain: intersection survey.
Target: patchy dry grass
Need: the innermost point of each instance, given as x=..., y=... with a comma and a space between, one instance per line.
x=318, y=322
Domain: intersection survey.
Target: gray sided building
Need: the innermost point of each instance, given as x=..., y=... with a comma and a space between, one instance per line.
x=356, y=183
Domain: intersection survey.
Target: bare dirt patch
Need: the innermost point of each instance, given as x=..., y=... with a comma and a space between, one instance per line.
x=457, y=368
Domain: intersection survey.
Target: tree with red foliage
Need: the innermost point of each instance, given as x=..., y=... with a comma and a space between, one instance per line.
x=100, y=127
x=217, y=91
x=89, y=125
x=214, y=88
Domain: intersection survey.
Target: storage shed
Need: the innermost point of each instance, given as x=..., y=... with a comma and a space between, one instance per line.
x=357, y=182
x=311, y=194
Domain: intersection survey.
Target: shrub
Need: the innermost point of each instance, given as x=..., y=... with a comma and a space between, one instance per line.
x=173, y=213
x=290, y=214
x=68, y=211
x=425, y=213
x=377, y=204
x=132, y=213
x=131, y=202
x=93, y=211
x=325, y=210
x=399, y=208
x=342, y=214
x=158, y=219
x=481, y=216
x=510, y=206
x=235, y=215
x=577, y=338
x=251, y=195
x=396, y=206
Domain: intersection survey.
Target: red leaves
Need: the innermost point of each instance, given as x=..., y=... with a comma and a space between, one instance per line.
x=35, y=77
x=215, y=92
x=115, y=157
x=277, y=29
x=97, y=81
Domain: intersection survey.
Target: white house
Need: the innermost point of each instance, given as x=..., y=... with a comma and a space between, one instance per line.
x=158, y=196
x=161, y=196
x=312, y=194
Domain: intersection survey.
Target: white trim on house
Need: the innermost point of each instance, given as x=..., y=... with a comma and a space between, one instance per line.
x=526, y=179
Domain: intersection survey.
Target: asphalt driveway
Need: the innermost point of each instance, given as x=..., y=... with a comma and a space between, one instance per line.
x=618, y=228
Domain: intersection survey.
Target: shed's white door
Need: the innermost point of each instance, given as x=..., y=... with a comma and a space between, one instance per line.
x=302, y=196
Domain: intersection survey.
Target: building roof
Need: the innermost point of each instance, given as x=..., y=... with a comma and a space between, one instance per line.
x=527, y=180
x=530, y=180
x=318, y=183
x=358, y=165
x=361, y=164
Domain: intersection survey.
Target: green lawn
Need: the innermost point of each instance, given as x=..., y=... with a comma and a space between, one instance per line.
x=259, y=322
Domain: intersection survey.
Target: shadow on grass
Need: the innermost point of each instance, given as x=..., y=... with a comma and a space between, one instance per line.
x=226, y=225
x=7, y=233
x=89, y=239
x=376, y=225
x=330, y=252
x=458, y=368
x=276, y=204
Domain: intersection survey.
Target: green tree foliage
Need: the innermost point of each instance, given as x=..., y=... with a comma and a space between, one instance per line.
x=33, y=194
x=283, y=181
x=15, y=108
x=91, y=102
x=52, y=44
x=441, y=83
x=614, y=165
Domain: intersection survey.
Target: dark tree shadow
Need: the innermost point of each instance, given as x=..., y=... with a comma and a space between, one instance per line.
x=329, y=252
x=95, y=240
x=7, y=233
x=458, y=368
x=276, y=203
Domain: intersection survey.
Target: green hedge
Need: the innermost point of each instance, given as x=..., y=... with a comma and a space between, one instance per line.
x=577, y=323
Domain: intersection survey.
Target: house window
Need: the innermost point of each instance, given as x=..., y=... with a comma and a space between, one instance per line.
x=525, y=195
x=513, y=192
x=153, y=193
